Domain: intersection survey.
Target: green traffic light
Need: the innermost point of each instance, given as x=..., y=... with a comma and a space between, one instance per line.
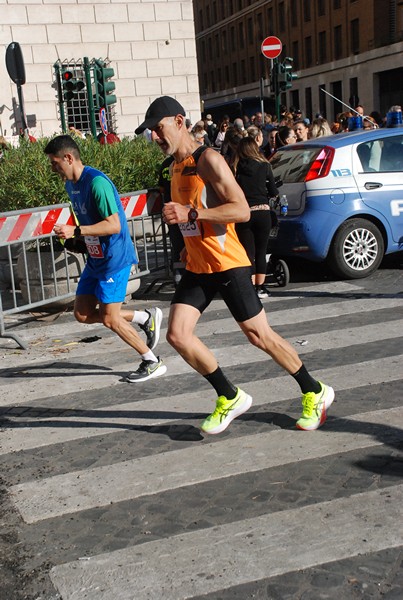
x=104, y=87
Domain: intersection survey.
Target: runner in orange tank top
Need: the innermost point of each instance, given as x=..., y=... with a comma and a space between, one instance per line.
x=211, y=247
x=206, y=202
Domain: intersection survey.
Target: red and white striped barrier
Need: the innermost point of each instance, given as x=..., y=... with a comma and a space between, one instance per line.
x=141, y=204
x=19, y=226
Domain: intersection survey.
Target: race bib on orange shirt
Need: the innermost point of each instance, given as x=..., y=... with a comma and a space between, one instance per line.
x=93, y=246
x=189, y=229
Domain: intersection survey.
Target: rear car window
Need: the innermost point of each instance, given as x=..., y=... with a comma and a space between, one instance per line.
x=292, y=166
x=382, y=155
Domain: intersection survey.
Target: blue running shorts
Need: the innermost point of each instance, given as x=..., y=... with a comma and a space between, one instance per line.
x=108, y=290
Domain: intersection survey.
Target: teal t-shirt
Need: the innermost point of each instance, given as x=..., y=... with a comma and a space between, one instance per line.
x=94, y=197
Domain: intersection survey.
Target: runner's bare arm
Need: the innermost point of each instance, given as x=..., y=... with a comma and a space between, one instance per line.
x=107, y=226
x=232, y=205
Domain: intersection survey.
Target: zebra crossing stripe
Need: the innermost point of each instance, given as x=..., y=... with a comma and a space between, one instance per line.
x=81, y=490
x=185, y=566
x=62, y=329
x=341, y=338
x=315, y=312
x=106, y=377
x=159, y=411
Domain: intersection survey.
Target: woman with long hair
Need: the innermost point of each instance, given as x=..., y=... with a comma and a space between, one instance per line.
x=222, y=130
x=320, y=128
x=254, y=175
x=256, y=134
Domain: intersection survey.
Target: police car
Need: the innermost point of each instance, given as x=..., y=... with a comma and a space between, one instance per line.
x=345, y=199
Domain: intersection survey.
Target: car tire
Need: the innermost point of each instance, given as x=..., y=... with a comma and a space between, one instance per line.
x=357, y=249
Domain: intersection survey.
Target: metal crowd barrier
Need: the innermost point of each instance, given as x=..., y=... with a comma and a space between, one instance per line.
x=35, y=273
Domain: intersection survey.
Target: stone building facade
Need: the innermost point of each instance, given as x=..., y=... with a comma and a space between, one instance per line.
x=150, y=45
x=350, y=48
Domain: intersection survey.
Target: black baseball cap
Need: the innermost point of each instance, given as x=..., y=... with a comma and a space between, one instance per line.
x=165, y=106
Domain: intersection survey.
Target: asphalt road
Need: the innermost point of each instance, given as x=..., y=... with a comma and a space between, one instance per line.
x=109, y=490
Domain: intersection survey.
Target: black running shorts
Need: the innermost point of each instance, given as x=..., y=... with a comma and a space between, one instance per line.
x=235, y=287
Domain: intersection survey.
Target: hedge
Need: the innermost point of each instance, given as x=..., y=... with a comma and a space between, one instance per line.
x=27, y=181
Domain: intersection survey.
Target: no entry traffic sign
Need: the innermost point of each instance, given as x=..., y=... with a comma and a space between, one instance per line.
x=271, y=47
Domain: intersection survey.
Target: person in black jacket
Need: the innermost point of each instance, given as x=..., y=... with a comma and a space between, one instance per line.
x=255, y=177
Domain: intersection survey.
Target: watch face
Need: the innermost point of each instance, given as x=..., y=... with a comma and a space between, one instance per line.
x=193, y=214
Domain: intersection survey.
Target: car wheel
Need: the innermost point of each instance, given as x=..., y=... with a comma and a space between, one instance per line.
x=357, y=249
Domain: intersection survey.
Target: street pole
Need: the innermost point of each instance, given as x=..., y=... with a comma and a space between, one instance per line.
x=276, y=89
x=261, y=96
x=90, y=98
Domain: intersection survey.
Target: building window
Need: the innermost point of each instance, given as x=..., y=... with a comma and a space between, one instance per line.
x=235, y=73
x=321, y=8
x=295, y=98
x=337, y=91
x=226, y=76
x=355, y=36
x=308, y=51
x=295, y=55
x=201, y=19
x=338, y=44
x=336, y=4
x=224, y=42
x=250, y=31
x=233, y=39
x=241, y=35
x=308, y=103
x=210, y=48
x=322, y=47
x=322, y=100
x=203, y=51
x=354, y=99
x=252, y=68
x=208, y=22
x=270, y=21
x=217, y=45
x=259, y=20
x=294, y=13
x=281, y=17
x=215, y=16
x=307, y=10
x=243, y=71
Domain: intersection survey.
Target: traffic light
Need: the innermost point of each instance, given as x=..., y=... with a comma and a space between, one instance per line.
x=103, y=84
x=70, y=85
x=285, y=75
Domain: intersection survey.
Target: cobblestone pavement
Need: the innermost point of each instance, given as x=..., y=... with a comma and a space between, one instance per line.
x=110, y=490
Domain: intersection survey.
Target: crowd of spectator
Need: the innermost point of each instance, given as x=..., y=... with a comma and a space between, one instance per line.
x=291, y=128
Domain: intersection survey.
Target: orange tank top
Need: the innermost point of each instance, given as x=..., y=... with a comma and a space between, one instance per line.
x=211, y=247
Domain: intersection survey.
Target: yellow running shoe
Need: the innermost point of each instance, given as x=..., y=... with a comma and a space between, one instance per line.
x=225, y=412
x=314, y=407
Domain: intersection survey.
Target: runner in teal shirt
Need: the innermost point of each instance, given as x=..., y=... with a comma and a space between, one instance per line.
x=102, y=286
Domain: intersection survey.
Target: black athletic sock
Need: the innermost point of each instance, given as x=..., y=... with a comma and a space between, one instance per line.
x=221, y=384
x=306, y=382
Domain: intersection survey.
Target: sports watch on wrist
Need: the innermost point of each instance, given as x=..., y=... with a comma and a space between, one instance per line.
x=77, y=231
x=193, y=214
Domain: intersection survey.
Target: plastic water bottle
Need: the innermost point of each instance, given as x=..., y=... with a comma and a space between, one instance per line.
x=283, y=205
